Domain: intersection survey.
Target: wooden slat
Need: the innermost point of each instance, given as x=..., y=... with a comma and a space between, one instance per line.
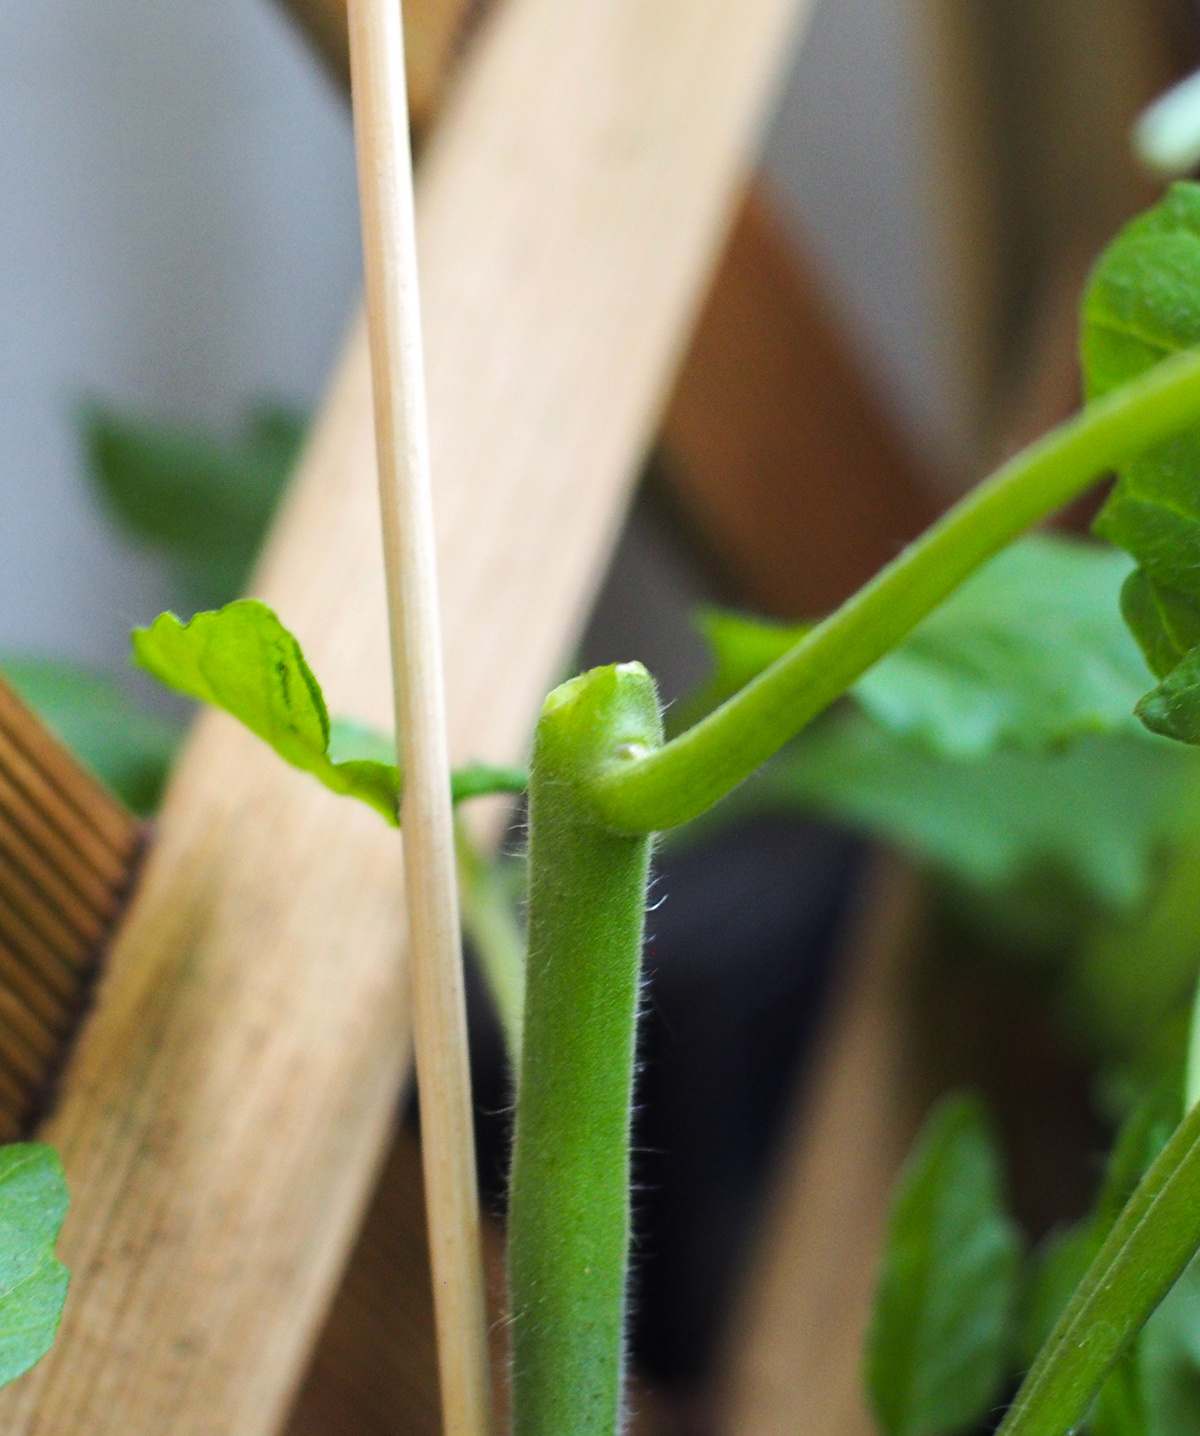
x=779, y=454
x=224, y=1113
x=795, y=1359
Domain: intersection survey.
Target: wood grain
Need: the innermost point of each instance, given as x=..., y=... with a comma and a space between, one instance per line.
x=385, y=188
x=67, y=856
x=224, y=1115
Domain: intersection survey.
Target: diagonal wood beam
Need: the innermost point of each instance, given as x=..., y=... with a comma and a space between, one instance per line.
x=770, y=402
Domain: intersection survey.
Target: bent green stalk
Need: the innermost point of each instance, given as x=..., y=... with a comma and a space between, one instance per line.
x=682, y=779
x=568, y=1227
x=1151, y=1242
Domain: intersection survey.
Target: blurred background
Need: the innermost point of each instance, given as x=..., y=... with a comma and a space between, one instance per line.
x=894, y=312
x=180, y=237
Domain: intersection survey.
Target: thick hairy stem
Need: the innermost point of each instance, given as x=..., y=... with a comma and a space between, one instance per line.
x=681, y=780
x=568, y=1231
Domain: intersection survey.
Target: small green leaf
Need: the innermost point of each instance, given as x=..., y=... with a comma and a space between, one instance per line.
x=128, y=748
x=242, y=659
x=1090, y=817
x=203, y=503
x=1143, y=305
x=1027, y=654
x=739, y=648
x=940, y=1342
x=33, y=1283
x=1173, y=708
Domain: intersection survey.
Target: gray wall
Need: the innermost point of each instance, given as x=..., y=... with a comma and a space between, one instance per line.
x=177, y=237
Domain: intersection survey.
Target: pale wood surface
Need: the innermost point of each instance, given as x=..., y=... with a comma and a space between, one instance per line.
x=374, y=1375
x=793, y=1368
x=224, y=1114
x=385, y=187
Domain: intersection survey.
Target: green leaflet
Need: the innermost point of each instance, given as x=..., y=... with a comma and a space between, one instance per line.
x=202, y=503
x=940, y=1341
x=129, y=748
x=33, y=1283
x=242, y=659
x=1028, y=653
x=1142, y=305
x=1090, y=817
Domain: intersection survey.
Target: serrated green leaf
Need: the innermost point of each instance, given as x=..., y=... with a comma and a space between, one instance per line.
x=128, y=748
x=940, y=1341
x=33, y=1283
x=1029, y=653
x=203, y=503
x=1091, y=816
x=1173, y=708
x=242, y=659
x=1143, y=305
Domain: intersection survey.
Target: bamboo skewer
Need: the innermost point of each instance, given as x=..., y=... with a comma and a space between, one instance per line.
x=402, y=443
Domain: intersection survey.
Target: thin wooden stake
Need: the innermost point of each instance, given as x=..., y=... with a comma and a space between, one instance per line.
x=389, y=246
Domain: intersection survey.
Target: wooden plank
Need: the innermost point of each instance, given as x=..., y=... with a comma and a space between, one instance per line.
x=1026, y=169
x=224, y=1114
x=795, y=1352
x=775, y=447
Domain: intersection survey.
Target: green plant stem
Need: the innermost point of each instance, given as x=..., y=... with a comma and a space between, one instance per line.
x=1153, y=1239
x=568, y=1226
x=1191, y=1074
x=651, y=791
x=495, y=935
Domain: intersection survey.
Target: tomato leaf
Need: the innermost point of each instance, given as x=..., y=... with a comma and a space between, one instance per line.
x=242, y=659
x=940, y=1341
x=1143, y=305
x=1091, y=816
x=1029, y=653
x=33, y=1283
x=201, y=502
